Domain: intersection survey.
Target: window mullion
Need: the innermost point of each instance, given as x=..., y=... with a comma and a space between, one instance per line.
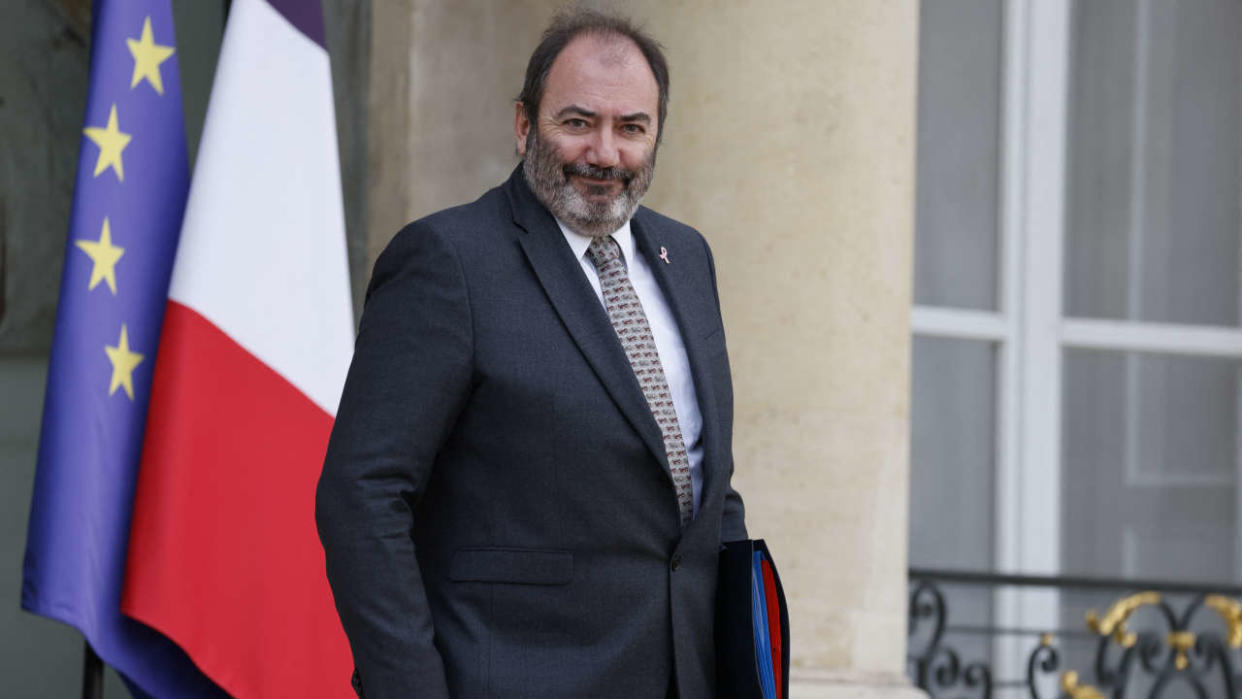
x=1029, y=511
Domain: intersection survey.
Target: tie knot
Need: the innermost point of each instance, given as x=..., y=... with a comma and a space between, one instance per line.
x=602, y=250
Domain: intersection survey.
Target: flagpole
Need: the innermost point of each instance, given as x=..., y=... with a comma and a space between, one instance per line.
x=92, y=674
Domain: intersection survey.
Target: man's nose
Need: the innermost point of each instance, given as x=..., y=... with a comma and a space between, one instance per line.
x=603, y=151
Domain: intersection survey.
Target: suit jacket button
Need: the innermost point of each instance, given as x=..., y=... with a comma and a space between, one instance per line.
x=676, y=563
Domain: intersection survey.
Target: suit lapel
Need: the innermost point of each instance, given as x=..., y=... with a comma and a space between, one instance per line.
x=580, y=310
x=694, y=308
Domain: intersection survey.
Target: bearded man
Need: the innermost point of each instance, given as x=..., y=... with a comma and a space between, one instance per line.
x=528, y=481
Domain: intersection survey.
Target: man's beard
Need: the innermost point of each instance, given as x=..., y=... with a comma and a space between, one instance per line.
x=549, y=179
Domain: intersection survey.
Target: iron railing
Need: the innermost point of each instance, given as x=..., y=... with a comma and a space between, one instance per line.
x=1153, y=639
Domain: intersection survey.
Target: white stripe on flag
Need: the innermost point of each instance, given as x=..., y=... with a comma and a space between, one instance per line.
x=262, y=253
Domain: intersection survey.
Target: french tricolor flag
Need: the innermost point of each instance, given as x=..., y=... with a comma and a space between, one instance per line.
x=223, y=555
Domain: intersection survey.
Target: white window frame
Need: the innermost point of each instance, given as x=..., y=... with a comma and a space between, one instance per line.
x=1029, y=330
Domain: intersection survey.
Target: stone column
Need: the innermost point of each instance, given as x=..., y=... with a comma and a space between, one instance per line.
x=444, y=75
x=790, y=144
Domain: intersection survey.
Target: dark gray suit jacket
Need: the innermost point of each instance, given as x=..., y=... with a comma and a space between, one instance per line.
x=496, y=506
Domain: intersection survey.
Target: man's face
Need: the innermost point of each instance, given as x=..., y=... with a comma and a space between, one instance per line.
x=591, y=155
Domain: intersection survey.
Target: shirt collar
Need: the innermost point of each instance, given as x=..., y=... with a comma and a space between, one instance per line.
x=579, y=243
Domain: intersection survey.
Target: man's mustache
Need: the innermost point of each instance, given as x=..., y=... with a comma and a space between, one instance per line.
x=598, y=173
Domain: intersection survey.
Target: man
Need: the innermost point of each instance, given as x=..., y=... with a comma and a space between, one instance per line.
x=528, y=481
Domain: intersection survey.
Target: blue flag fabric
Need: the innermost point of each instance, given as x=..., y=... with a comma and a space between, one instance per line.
x=129, y=198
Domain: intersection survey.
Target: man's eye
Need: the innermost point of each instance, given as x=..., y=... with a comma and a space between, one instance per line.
x=576, y=123
x=633, y=129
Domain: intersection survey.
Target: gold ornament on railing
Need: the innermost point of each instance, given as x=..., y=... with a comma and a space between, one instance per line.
x=1114, y=621
x=1073, y=689
x=1181, y=642
x=1230, y=610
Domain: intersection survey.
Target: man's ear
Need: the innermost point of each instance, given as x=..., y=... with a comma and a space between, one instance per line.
x=521, y=127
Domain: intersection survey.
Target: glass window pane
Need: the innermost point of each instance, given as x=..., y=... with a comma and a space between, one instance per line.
x=960, y=61
x=1151, y=453
x=952, y=453
x=1155, y=142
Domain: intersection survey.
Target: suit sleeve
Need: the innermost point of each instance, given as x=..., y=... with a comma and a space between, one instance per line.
x=409, y=379
x=733, y=519
x=733, y=522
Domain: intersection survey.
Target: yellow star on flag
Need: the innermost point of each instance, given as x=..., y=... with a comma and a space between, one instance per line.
x=111, y=141
x=105, y=255
x=148, y=56
x=123, y=363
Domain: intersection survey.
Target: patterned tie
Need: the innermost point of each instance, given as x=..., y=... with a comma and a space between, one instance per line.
x=630, y=322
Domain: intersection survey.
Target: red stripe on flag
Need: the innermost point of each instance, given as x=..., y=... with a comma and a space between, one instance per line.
x=224, y=557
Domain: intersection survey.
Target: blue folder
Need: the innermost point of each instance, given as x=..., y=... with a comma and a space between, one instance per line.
x=763, y=644
x=750, y=662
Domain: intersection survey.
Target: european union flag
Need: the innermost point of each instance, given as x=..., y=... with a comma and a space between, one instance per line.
x=128, y=202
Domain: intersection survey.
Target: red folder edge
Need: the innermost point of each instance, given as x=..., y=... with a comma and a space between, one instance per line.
x=774, y=620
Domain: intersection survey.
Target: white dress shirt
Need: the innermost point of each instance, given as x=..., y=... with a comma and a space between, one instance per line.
x=667, y=337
